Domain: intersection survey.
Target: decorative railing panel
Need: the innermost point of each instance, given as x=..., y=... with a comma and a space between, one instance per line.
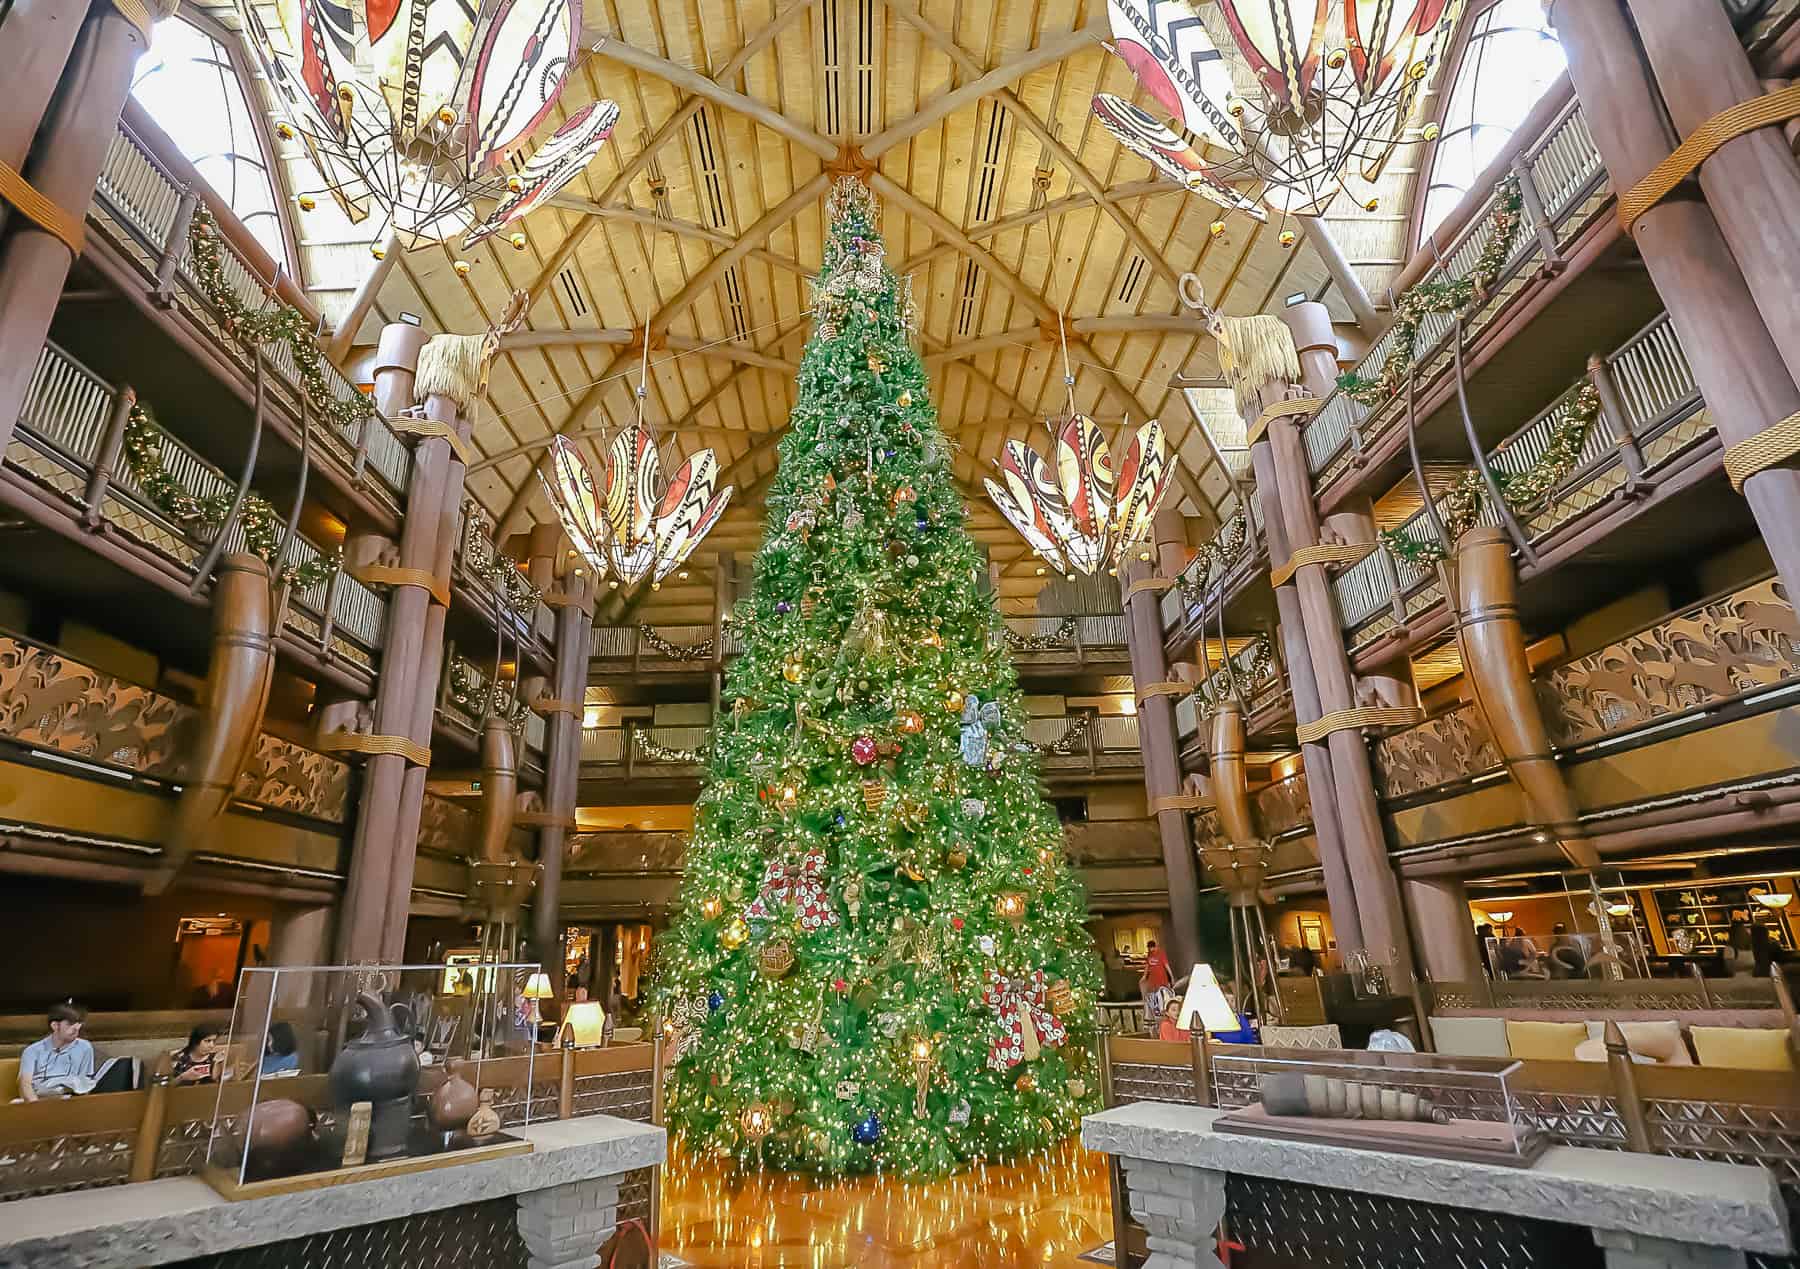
x=1284, y=805
x=445, y=827
x=286, y=777
x=1439, y=751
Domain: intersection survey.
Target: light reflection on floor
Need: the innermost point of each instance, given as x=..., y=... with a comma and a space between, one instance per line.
x=1041, y=1213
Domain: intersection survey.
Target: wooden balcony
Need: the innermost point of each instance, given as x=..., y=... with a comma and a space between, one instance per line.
x=1657, y=433
x=1566, y=192
x=490, y=587
x=1232, y=560
x=66, y=449
x=139, y=223
x=1258, y=673
x=469, y=694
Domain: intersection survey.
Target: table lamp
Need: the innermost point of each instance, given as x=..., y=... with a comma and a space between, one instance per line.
x=1205, y=1003
x=585, y=1023
x=537, y=988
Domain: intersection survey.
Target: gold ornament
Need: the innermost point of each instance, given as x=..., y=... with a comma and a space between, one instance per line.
x=877, y=363
x=776, y=958
x=758, y=1120
x=733, y=935
x=905, y=399
x=912, y=722
x=874, y=794
x=933, y=640
x=1062, y=997
x=1011, y=906
x=1026, y=1083
x=953, y=702
x=793, y=670
x=958, y=858
x=1077, y=1088
x=711, y=908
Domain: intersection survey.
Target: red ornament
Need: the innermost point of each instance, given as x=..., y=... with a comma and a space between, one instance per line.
x=956, y=923
x=839, y=985
x=864, y=750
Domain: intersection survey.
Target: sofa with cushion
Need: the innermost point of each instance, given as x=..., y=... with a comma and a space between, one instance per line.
x=1658, y=1041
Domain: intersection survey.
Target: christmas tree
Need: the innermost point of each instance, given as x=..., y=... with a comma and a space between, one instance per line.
x=877, y=959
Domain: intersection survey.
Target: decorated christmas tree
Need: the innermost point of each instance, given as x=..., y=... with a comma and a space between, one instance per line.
x=877, y=959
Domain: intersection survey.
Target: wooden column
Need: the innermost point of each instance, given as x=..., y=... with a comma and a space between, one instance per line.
x=1440, y=921
x=562, y=762
x=364, y=913
x=64, y=166
x=1162, y=763
x=1328, y=833
x=442, y=514
x=39, y=37
x=1742, y=372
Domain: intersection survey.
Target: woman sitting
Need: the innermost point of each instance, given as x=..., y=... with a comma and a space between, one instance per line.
x=198, y=1061
x=281, y=1052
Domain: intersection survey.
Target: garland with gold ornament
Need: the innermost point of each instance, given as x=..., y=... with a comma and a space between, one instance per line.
x=1072, y=736
x=1460, y=506
x=262, y=524
x=674, y=651
x=278, y=322
x=1220, y=552
x=1057, y=638
x=649, y=749
x=1441, y=295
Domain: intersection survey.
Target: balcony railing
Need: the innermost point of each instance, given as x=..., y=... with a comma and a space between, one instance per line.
x=644, y=748
x=494, y=583
x=1107, y=742
x=141, y=206
x=1258, y=676
x=61, y=441
x=1656, y=416
x=468, y=694
x=1219, y=565
x=1566, y=173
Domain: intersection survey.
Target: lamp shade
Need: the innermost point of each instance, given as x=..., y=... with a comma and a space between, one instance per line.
x=1205, y=1003
x=1772, y=898
x=586, y=1022
x=537, y=987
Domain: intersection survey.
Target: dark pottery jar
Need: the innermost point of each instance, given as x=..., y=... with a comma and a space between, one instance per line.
x=379, y=1067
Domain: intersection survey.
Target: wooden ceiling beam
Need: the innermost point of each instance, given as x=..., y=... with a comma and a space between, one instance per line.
x=681, y=228
x=1054, y=49
x=1027, y=118
x=716, y=349
x=692, y=81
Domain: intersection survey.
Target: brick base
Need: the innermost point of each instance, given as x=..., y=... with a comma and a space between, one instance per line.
x=563, y=1227
x=1180, y=1208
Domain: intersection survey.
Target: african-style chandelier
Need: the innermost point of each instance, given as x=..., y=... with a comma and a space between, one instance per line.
x=629, y=523
x=412, y=109
x=1307, y=97
x=1081, y=516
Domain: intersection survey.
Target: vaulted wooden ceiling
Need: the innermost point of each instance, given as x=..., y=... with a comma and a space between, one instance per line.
x=703, y=219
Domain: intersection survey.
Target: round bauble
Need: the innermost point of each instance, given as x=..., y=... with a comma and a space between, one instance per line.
x=986, y=944
x=895, y=548
x=863, y=750
x=1077, y=1088
x=868, y=1130
x=733, y=935
x=904, y=400
x=957, y=858
x=784, y=608
x=714, y=1002
x=792, y=671
x=953, y=702
x=1026, y=1083
x=905, y=493
x=1010, y=906
x=911, y=722
x=758, y=1120
x=912, y=561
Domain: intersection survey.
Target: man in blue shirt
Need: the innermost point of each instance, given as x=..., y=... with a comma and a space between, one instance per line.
x=62, y=1063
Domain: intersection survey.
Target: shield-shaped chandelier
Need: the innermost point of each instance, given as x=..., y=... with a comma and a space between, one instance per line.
x=1081, y=515
x=1306, y=97
x=627, y=524
x=413, y=111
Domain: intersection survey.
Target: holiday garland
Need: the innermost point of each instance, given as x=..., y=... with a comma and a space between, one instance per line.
x=470, y=690
x=279, y=322
x=1057, y=638
x=1072, y=736
x=262, y=524
x=654, y=752
x=1262, y=659
x=1219, y=553
x=1441, y=295
x=675, y=651
x=1460, y=506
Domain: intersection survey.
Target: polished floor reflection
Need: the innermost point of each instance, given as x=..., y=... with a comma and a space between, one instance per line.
x=1042, y=1213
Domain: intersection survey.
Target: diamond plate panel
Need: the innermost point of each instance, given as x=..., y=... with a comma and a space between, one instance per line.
x=634, y=1196
x=1148, y=1082
x=74, y=1161
x=474, y=1236
x=1286, y=1225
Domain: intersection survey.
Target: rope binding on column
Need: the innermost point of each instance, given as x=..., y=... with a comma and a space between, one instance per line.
x=1770, y=447
x=1701, y=144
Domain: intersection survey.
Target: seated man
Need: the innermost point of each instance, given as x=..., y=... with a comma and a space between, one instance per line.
x=62, y=1063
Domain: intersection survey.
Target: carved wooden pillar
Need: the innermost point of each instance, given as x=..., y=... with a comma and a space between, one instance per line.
x=1162, y=764
x=562, y=761
x=1746, y=377
x=501, y=880
x=65, y=163
x=1439, y=907
x=1239, y=863
x=237, y=693
x=39, y=37
x=1353, y=777
x=1314, y=756
x=1493, y=651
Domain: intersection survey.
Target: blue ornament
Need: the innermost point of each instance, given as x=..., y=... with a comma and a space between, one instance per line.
x=868, y=1132
x=838, y=819
x=887, y=453
x=714, y=1002
x=921, y=524
x=784, y=608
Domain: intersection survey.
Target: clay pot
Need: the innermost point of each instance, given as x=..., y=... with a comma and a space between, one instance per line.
x=453, y=1103
x=379, y=1067
x=278, y=1130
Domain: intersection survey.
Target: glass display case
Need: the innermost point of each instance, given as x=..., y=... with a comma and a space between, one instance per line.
x=1409, y=1103
x=328, y=1073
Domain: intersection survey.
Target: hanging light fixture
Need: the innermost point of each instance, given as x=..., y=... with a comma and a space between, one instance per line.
x=629, y=523
x=411, y=109
x=1081, y=515
x=1306, y=97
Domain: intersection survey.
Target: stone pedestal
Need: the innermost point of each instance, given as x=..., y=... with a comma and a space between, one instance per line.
x=1180, y=1208
x=1632, y=1251
x=564, y=1226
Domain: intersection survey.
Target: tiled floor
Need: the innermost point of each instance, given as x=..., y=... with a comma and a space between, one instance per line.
x=1042, y=1214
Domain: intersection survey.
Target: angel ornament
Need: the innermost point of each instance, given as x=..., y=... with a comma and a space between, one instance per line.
x=976, y=719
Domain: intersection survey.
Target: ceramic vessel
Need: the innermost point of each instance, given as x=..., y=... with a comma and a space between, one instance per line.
x=279, y=1128
x=379, y=1067
x=454, y=1102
